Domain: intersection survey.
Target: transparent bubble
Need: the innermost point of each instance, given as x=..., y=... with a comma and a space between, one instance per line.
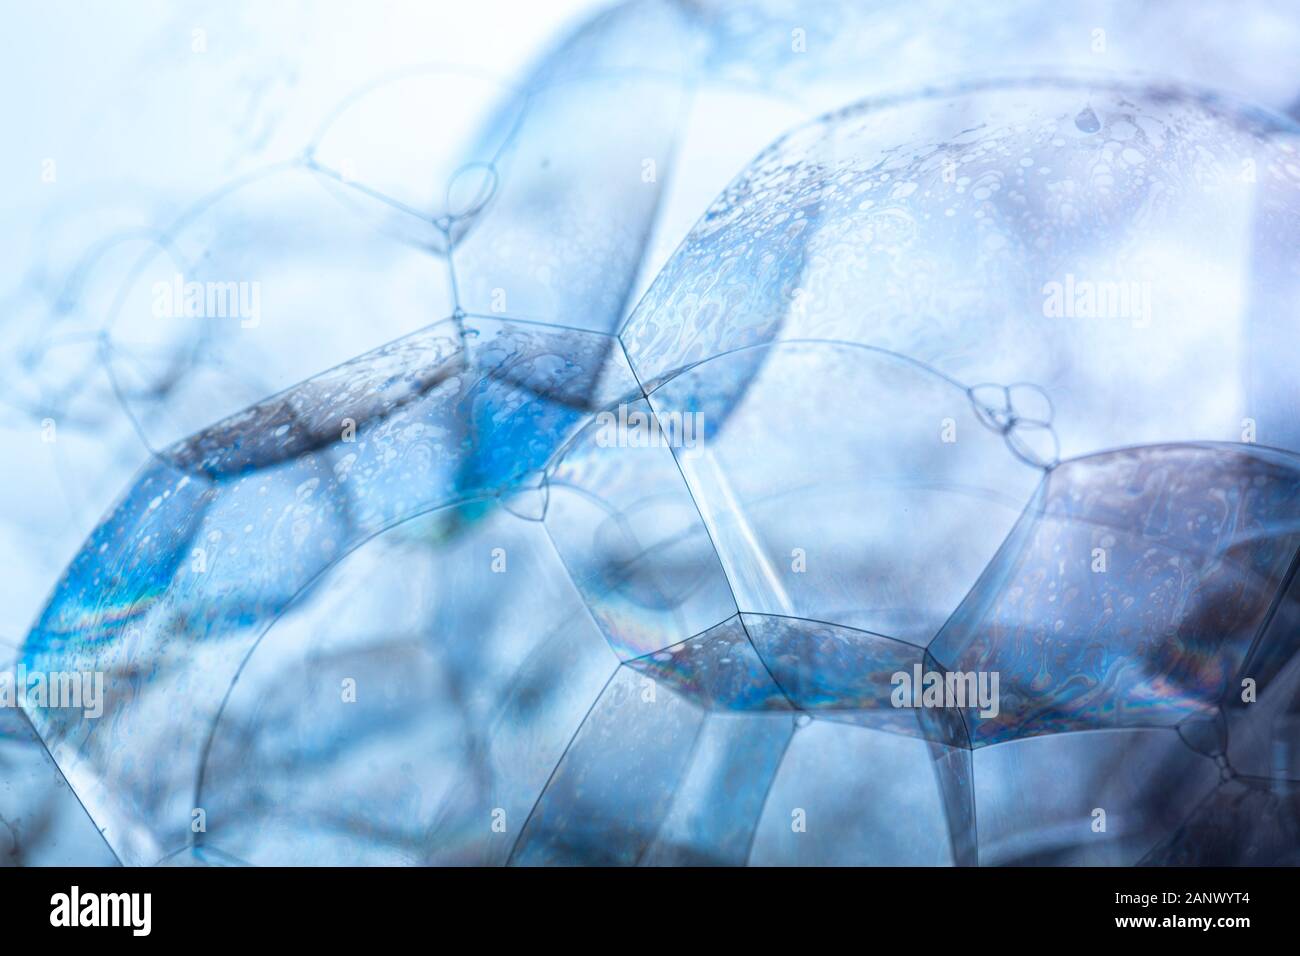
x=980, y=391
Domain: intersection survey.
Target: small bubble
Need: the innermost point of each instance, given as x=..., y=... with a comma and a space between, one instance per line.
x=1087, y=121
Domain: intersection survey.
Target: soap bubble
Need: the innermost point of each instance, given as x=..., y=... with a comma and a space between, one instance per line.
x=989, y=380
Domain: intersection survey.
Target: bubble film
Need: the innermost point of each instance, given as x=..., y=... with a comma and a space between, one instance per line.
x=933, y=500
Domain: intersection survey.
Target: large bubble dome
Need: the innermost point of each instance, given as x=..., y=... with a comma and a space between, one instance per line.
x=988, y=385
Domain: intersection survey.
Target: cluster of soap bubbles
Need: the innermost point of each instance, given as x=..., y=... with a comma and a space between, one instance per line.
x=991, y=377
